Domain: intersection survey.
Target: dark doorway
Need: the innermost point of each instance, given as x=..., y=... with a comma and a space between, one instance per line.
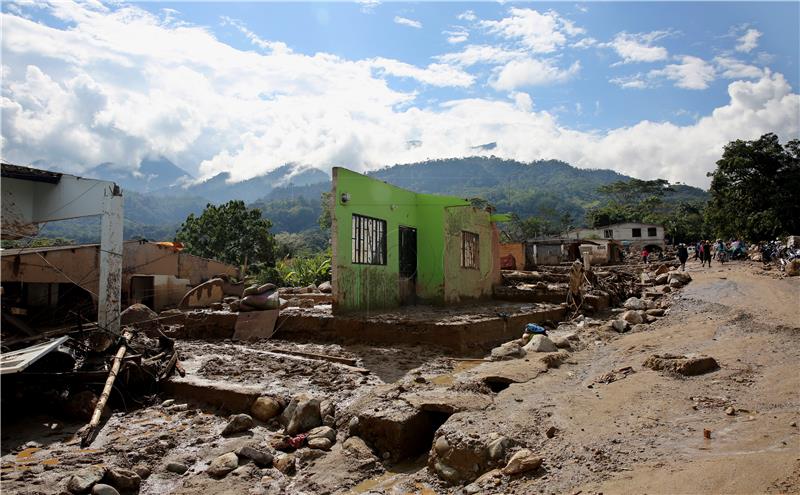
x=408, y=265
x=142, y=291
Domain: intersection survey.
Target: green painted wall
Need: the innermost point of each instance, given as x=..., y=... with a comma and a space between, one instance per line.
x=366, y=287
x=460, y=283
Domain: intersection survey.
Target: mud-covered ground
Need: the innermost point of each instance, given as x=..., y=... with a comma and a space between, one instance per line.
x=600, y=421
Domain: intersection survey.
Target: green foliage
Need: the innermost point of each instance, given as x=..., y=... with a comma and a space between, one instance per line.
x=325, y=219
x=230, y=232
x=290, y=214
x=298, y=272
x=754, y=190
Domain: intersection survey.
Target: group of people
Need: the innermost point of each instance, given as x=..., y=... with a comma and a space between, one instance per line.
x=704, y=251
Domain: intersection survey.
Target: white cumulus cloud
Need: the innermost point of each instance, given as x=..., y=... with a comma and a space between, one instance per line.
x=690, y=73
x=538, y=32
x=404, y=21
x=748, y=41
x=638, y=47
x=531, y=72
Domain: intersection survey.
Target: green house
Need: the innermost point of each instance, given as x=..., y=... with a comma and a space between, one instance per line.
x=393, y=247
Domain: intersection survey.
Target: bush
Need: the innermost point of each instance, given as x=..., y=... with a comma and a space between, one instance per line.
x=298, y=272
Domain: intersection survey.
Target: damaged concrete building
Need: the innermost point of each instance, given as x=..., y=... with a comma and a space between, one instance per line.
x=64, y=278
x=393, y=247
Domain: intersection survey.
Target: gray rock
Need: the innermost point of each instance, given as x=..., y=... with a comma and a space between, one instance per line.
x=656, y=312
x=84, y=479
x=238, y=423
x=509, y=350
x=562, y=341
x=265, y=408
x=260, y=457
x=320, y=443
x=177, y=467
x=441, y=446
x=681, y=277
x=142, y=470
x=168, y=403
x=540, y=343
x=662, y=279
x=101, y=489
x=632, y=317
x=634, y=303
x=302, y=414
x=223, y=465
x=620, y=325
x=325, y=287
x=497, y=448
x=123, y=479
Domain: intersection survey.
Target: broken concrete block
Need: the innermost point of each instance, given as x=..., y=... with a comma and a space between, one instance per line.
x=684, y=365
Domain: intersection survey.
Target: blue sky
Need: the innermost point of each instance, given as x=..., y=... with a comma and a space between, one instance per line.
x=648, y=89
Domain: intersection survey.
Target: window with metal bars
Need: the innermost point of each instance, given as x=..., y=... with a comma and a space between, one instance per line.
x=469, y=250
x=369, y=240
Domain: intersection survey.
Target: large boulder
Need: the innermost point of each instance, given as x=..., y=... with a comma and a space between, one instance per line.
x=301, y=415
x=540, y=343
x=261, y=301
x=265, y=408
x=140, y=317
x=509, y=350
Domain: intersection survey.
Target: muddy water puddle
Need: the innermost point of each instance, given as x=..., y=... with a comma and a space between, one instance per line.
x=447, y=379
x=391, y=478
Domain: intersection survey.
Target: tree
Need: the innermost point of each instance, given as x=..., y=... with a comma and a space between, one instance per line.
x=754, y=189
x=633, y=200
x=231, y=233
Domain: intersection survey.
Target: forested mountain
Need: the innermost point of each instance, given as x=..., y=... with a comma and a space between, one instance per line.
x=291, y=200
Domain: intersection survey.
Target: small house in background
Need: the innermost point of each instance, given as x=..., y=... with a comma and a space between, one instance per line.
x=551, y=251
x=393, y=247
x=633, y=236
x=47, y=283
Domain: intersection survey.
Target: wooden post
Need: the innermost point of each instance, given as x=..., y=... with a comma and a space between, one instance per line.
x=91, y=428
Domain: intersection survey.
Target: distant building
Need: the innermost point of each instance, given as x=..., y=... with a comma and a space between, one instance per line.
x=394, y=247
x=634, y=236
x=52, y=283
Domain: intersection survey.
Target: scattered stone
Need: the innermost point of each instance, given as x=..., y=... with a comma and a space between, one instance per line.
x=142, y=470
x=730, y=411
x=223, y=465
x=357, y=447
x=84, y=479
x=322, y=432
x=655, y=312
x=793, y=424
x=285, y=463
x=489, y=476
x=562, y=341
x=238, y=424
x=320, y=443
x=177, y=467
x=540, y=343
x=620, y=326
x=551, y=432
x=662, y=279
x=260, y=457
x=634, y=303
x=681, y=277
x=498, y=446
x=302, y=414
x=265, y=408
x=521, y=462
x=101, y=489
x=684, y=365
x=168, y=403
x=509, y=350
x=649, y=319
x=279, y=442
x=632, y=317
x=123, y=479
